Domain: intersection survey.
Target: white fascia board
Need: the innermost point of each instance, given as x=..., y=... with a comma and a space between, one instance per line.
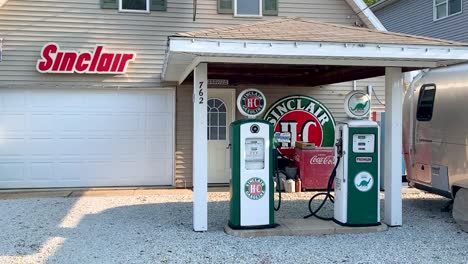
x=258, y=48
x=317, y=61
x=369, y=14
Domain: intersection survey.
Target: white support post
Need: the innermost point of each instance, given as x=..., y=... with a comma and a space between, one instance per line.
x=393, y=145
x=200, y=148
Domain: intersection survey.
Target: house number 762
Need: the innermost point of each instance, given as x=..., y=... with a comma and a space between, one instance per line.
x=200, y=93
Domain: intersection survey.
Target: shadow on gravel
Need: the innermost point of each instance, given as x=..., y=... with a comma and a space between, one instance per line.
x=146, y=232
x=28, y=224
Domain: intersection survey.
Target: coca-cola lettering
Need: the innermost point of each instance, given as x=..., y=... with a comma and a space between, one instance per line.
x=322, y=159
x=53, y=60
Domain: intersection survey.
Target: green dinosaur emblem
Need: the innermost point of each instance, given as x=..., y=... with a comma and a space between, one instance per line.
x=360, y=106
x=365, y=183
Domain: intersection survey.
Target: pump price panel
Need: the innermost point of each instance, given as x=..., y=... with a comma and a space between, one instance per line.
x=254, y=149
x=363, y=143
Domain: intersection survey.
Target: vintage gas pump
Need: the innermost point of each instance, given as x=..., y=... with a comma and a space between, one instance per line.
x=357, y=175
x=251, y=187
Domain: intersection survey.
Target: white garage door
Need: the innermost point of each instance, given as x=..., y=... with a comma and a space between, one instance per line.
x=86, y=137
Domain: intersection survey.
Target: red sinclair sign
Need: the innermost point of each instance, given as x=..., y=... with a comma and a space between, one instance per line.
x=99, y=61
x=306, y=119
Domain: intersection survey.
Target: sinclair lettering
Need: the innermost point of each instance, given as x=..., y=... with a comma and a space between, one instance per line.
x=306, y=118
x=99, y=61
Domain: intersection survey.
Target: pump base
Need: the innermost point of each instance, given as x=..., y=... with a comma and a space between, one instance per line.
x=356, y=225
x=251, y=227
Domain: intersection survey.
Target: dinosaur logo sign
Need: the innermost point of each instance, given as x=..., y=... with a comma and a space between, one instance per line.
x=305, y=119
x=363, y=181
x=357, y=104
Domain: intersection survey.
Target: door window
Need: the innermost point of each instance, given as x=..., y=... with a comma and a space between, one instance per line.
x=216, y=119
x=426, y=102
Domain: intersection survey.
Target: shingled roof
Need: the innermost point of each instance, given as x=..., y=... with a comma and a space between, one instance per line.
x=298, y=29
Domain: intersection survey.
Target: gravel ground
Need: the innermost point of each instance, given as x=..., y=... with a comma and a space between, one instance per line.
x=157, y=229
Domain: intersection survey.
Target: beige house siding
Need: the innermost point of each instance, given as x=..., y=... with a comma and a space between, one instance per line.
x=332, y=95
x=26, y=25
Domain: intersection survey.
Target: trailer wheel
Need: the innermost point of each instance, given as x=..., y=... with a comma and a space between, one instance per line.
x=460, y=208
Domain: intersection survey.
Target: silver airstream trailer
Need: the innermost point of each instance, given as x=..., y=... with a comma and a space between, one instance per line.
x=435, y=131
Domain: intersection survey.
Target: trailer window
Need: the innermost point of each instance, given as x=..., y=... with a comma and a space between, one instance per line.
x=426, y=102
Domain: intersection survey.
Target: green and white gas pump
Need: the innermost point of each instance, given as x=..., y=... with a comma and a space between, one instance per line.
x=357, y=175
x=251, y=188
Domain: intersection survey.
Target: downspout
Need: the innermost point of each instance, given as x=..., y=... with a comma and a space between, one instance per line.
x=365, y=10
x=194, y=10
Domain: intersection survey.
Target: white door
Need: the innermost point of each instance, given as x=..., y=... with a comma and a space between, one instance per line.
x=220, y=115
x=86, y=137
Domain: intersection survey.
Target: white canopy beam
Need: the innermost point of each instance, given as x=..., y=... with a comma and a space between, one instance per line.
x=393, y=145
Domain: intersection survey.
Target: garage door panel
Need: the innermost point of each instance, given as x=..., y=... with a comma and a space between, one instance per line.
x=13, y=100
x=85, y=137
x=12, y=171
x=12, y=122
x=42, y=146
x=69, y=170
x=41, y=171
x=13, y=146
x=70, y=122
x=42, y=122
x=158, y=123
x=157, y=146
x=129, y=146
x=160, y=105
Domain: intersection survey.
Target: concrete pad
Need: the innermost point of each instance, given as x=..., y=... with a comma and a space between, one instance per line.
x=33, y=194
x=104, y=193
x=304, y=227
x=163, y=192
x=218, y=189
x=81, y=192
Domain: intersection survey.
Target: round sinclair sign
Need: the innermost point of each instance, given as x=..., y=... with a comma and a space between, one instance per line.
x=305, y=118
x=251, y=103
x=357, y=104
x=255, y=188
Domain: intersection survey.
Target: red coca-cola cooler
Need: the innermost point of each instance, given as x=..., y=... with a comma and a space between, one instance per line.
x=314, y=167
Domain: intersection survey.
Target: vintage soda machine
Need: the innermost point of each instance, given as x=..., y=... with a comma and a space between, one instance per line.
x=251, y=187
x=357, y=174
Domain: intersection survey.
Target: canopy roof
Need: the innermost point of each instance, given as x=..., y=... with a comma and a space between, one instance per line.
x=298, y=29
x=295, y=41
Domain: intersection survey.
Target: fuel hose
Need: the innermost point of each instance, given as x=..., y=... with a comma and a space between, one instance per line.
x=278, y=181
x=328, y=196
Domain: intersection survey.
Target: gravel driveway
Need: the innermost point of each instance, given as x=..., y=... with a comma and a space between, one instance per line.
x=158, y=229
